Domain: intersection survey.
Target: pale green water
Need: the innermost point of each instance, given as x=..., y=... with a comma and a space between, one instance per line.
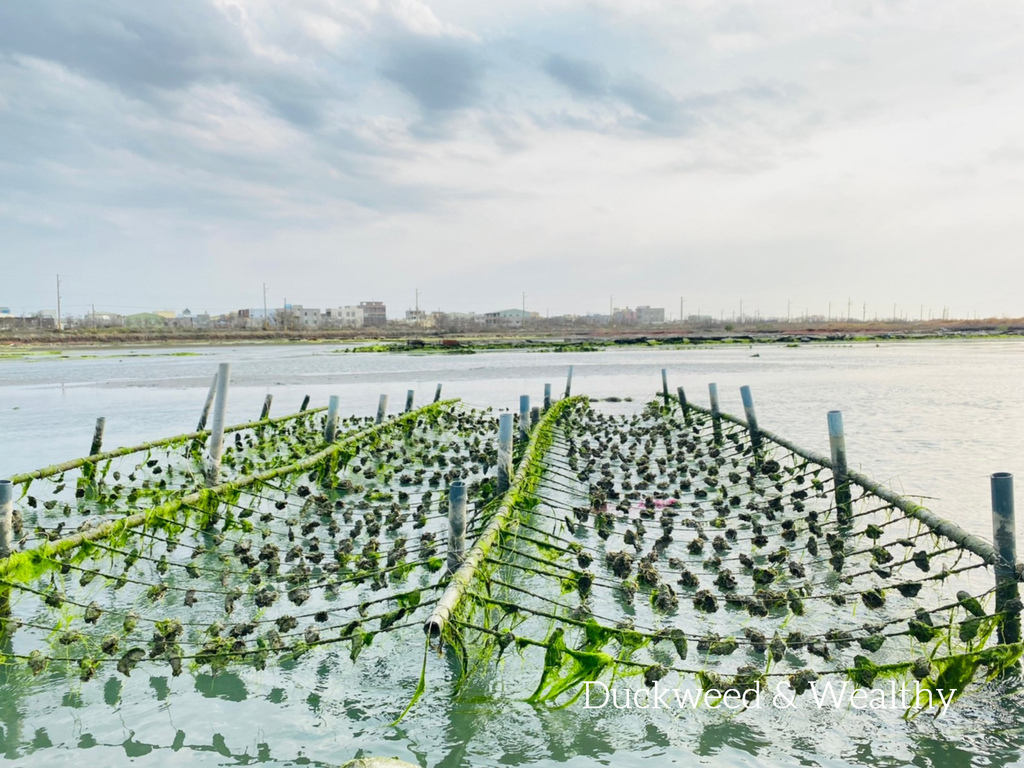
x=935, y=418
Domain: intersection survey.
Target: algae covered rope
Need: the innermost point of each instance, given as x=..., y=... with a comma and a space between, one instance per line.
x=36, y=556
x=946, y=528
x=65, y=466
x=525, y=478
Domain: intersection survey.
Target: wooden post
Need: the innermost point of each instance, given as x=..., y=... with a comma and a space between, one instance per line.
x=1004, y=536
x=568, y=383
x=524, y=417
x=305, y=404
x=716, y=412
x=456, y=525
x=265, y=413
x=409, y=397
x=684, y=406
x=534, y=416
x=837, y=444
x=505, y=429
x=97, y=436
x=206, y=406
x=331, y=428
x=437, y=393
x=220, y=407
x=6, y=518
x=748, y=409
x=382, y=408
x=547, y=396
x=664, y=386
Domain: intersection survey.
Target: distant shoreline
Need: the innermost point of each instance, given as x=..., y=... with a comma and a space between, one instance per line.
x=426, y=340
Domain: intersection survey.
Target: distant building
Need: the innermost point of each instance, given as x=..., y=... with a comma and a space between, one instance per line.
x=336, y=317
x=415, y=315
x=512, y=318
x=625, y=316
x=145, y=320
x=304, y=317
x=5, y=312
x=375, y=314
x=650, y=315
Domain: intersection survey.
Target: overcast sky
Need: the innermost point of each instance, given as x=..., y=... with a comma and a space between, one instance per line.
x=179, y=154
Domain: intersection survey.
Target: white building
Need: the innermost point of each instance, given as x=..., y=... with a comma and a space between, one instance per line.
x=343, y=316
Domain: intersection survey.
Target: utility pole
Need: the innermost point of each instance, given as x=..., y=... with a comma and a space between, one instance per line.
x=524, y=309
x=864, y=316
x=611, y=312
x=681, y=310
x=788, y=302
x=741, y=310
x=830, y=311
x=849, y=310
x=266, y=318
x=417, y=302
x=60, y=327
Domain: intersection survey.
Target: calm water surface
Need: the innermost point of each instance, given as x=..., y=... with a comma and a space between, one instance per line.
x=931, y=419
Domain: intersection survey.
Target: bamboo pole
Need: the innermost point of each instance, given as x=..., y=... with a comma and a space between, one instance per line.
x=748, y=409
x=382, y=409
x=456, y=525
x=505, y=431
x=524, y=417
x=547, y=396
x=684, y=406
x=305, y=404
x=331, y=428
x=840, y=470
x=206, y=406
x=265, y=413
x=97, y=436
x=1004, y=535
x=437, y=393
x=409, y=397
x=220, y=408
x=6, y=518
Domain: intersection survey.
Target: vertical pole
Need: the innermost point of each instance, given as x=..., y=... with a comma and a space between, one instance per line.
x=1004, y=536
x=305, y=404
x=505, y=429
x=220, y=407
x=456, y=525
x=684, y=406
x=547, y=396
x=716, y=412
x=534, y=416
x=837, y=444
x=6, y=544
x=524, y=417
x=664, y=386
x=331, y=429
x=97, y=436
x=409, y=397
x=748, y=409
x=206, y=406
x=6, y=518
x=265, y=413
x=437, y=393
x=382, y=408
x=568, y=383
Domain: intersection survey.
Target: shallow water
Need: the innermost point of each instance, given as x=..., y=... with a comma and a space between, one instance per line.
x=927, y=418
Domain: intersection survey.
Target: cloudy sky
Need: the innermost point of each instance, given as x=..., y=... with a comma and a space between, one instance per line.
x=164, y=155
